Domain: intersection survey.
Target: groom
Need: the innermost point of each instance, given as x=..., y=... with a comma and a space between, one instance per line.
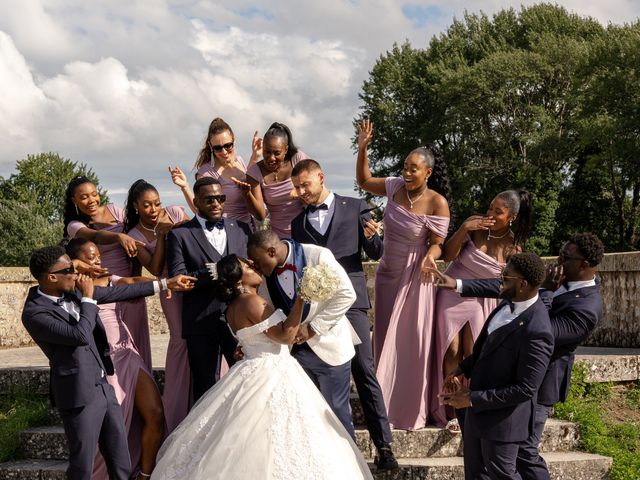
x=324, y=343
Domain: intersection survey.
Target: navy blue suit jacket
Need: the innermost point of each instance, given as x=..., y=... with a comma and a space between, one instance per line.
x=187, y=252
x=573, y=317
x=506, y=370
x=78, y=352
x=346, y=240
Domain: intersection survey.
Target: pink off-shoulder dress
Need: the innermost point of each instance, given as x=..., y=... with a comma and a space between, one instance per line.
x=277, y=197
x=403, y=328
x=176, y=396
x=453, y=312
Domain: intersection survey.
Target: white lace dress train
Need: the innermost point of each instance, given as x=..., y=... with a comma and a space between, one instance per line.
x=265, y=419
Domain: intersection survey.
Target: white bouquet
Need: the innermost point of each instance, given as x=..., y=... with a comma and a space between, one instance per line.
x=318, y=283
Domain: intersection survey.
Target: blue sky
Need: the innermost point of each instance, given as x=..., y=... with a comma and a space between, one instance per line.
x=129, y=87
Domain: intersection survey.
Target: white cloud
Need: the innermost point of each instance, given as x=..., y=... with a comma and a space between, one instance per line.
x=130, y=87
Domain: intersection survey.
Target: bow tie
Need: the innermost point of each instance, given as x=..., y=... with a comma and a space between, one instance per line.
x=314, y=208
x=65, y=298
x=286, y=266
x=512, y=306
x=209, y=225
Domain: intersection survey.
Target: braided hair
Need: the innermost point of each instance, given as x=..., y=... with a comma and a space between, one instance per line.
x=132, y=217
x=71, y=211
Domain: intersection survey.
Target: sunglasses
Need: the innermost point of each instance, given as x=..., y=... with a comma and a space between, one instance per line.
x=209, y=199
x=503, y=276
x=66, y=271
x=564, y=257
x=218, y=148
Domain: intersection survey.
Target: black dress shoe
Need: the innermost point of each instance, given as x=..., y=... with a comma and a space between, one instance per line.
x=385, y=460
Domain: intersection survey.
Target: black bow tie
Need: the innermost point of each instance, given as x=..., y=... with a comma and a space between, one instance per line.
x=65, y=298
x=209, y=225
x=512, y=306
x=314, y=208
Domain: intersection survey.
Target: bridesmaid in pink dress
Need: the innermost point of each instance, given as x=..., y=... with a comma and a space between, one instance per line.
x=132, y=381
x=480, y=248
x=415, y=226
x=149, y=222
x=269, y=181
x=218, y=159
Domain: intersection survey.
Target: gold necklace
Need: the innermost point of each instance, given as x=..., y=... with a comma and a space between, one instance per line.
x=411, y=202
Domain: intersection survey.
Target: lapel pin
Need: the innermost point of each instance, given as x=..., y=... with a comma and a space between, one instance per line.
x=521, y=323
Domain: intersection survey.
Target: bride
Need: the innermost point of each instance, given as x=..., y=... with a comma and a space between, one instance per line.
x=265, y=419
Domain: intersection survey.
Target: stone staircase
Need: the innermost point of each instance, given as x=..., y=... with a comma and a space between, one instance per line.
x=427, y=454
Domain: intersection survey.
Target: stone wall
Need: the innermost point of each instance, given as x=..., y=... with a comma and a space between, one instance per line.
x=620, y=274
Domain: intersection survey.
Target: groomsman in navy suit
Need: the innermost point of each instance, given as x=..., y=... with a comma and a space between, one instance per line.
x=509, y=362
x=61, y=315
x=571, y=292
x=206, y=238
x=344, y=226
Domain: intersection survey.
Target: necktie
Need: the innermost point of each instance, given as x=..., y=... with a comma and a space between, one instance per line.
x=209, y=225
x=286, y=266
x=314, y=208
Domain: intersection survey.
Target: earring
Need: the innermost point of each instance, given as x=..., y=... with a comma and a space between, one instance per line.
x=77, y=211
x=510, y=223
x=137, y=213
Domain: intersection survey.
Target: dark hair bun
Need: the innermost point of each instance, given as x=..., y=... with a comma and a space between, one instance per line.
x=229, y=270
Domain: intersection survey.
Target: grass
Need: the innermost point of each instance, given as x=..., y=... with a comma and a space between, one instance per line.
x=18, y=412
x=609, y=419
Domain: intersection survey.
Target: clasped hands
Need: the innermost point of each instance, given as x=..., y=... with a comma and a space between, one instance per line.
x=304, y=334
x=454, y=393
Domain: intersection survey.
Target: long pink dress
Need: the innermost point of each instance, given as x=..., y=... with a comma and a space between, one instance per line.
x=235, y=206
x=453, y=312
x=116, y=260
x=277, y=197
x=177, y=374
x=127, y=361
x=403, y=328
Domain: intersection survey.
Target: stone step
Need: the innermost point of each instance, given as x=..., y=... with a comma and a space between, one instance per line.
x=431, y=442
x=565, y=465
x=49, y=443
x=562, y=466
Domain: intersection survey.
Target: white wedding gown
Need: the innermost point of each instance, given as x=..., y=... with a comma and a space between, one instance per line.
x=265, y=419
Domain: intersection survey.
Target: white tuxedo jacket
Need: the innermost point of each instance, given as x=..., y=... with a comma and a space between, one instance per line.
x=335, y=338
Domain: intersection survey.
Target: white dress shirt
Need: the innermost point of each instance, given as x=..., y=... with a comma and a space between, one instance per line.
x=574, y=286
x=321, y=219
x=286, y=279
x=505, y=316
x=217, y=237
x=67, y=305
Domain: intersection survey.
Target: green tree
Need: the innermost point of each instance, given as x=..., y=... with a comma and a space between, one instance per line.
x=32, y=205
x=41, y=180
x=515, y=101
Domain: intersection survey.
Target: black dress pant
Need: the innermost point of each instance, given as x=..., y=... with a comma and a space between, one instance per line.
x=98, y=423
x=364, y=376
x=530, y=464
x=205, y=356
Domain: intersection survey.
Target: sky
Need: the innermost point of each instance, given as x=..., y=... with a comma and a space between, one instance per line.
x=130, y=87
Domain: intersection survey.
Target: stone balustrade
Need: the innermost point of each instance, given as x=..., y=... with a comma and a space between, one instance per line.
x=620, y=274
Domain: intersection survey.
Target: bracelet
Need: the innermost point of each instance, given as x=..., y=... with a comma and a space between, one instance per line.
x=146, y=475
x=163, y=284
